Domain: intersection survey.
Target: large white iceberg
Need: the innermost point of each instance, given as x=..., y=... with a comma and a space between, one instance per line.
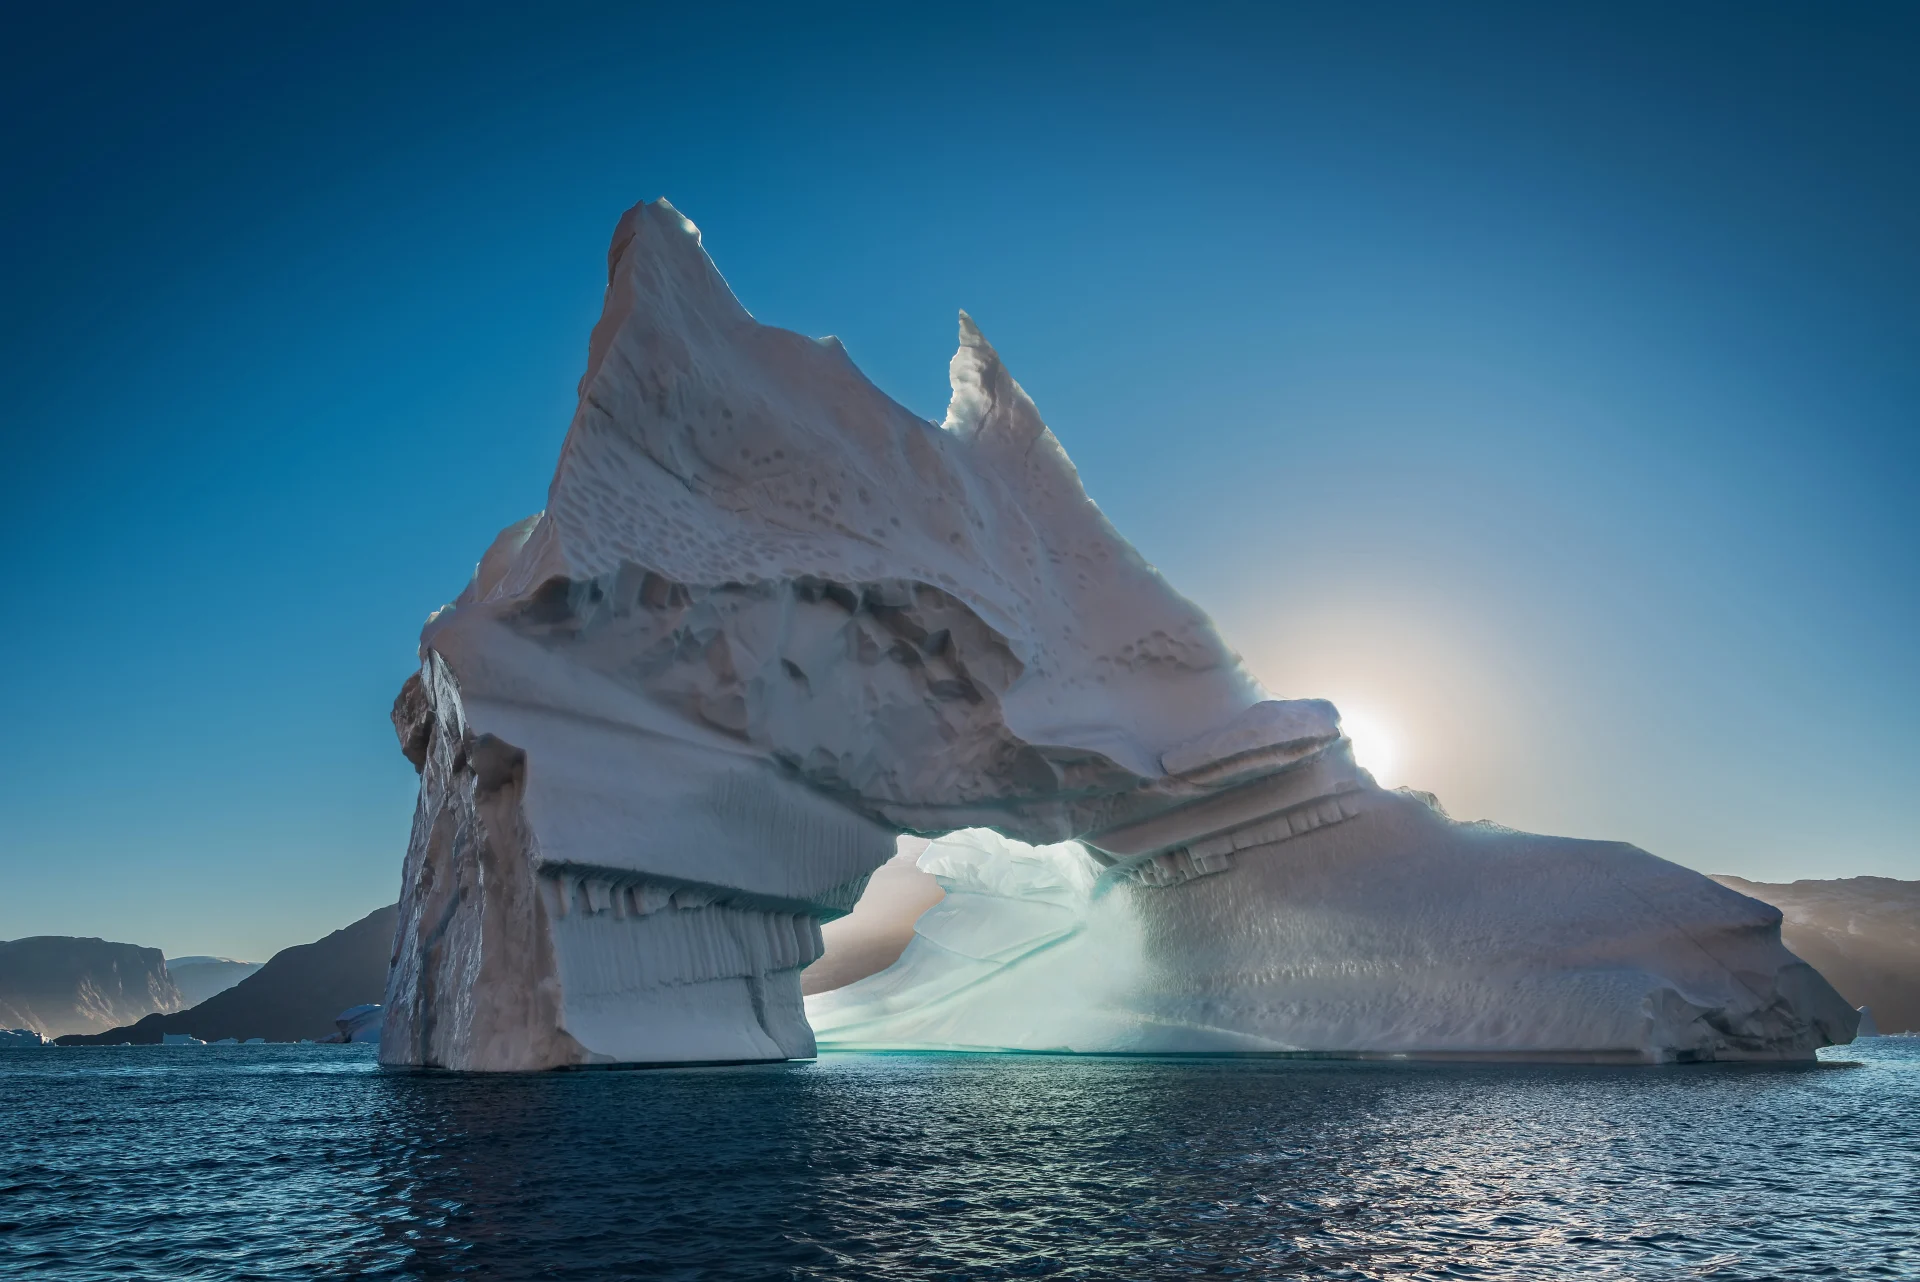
x=769, y=620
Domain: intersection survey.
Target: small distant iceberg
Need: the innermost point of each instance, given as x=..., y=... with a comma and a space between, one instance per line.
x=359, y=1024
x=180, y=1039
x=18, y=1037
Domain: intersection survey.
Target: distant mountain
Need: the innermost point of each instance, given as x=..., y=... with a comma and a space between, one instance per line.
x=1862, y=933
x=199, y=978
x=295, y=995
x=56, y=984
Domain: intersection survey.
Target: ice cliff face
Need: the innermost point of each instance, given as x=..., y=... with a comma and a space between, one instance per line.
x=768, y=620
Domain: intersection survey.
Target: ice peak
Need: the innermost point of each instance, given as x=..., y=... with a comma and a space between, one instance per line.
x=994, y=412
x=659, y=241
x=667, y=207
x=970, y=335
x=980, y=383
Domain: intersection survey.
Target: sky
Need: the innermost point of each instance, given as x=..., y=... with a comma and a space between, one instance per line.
x=1539, y=385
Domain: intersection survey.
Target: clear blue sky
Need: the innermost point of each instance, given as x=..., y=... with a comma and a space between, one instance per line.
x=1544, y=388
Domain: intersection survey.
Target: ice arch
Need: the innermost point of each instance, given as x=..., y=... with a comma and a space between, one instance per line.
x=1398, y=933
x=769, y=619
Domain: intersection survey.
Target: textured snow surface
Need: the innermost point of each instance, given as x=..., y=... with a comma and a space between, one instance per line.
x=768, y=621
x=1399, y=932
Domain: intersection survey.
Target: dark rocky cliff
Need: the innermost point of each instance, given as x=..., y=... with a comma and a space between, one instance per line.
x=295, y=995
x=1862, y=933
x=57, y=984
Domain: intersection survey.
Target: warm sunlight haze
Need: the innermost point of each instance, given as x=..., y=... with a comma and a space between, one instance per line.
x=1376, y=744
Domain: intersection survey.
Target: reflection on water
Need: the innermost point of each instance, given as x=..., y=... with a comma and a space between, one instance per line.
x=310, y=1161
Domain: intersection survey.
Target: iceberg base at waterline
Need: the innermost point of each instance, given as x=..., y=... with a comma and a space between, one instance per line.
x=1391, y=930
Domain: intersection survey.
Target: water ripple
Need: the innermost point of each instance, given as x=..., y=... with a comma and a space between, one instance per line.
x=302, y=1162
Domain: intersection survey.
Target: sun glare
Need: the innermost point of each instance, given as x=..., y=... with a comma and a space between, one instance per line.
x=1375, y=745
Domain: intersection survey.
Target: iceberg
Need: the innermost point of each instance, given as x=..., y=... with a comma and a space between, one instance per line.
x=769, y=620
x=182, y=1039
x=358, y=1024
x=1395, y=931
x=17, y=1037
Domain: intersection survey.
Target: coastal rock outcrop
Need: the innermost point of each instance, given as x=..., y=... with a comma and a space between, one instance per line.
x=768, y=620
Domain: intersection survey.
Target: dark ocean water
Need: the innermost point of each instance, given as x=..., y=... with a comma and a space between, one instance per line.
x=300, y=1162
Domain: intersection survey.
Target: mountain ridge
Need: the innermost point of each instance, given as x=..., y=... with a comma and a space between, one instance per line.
x=60, y=984
x=1862, y=933
x=294, y=995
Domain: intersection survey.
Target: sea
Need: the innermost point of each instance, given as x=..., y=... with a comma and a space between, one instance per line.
x=242, y=1162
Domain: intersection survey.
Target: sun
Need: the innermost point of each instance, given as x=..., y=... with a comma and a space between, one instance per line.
x=1376, y=746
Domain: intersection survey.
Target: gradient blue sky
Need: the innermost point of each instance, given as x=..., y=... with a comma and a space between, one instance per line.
x=1542, y=387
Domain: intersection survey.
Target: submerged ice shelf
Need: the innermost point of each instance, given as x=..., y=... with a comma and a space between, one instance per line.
x=769, y=620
